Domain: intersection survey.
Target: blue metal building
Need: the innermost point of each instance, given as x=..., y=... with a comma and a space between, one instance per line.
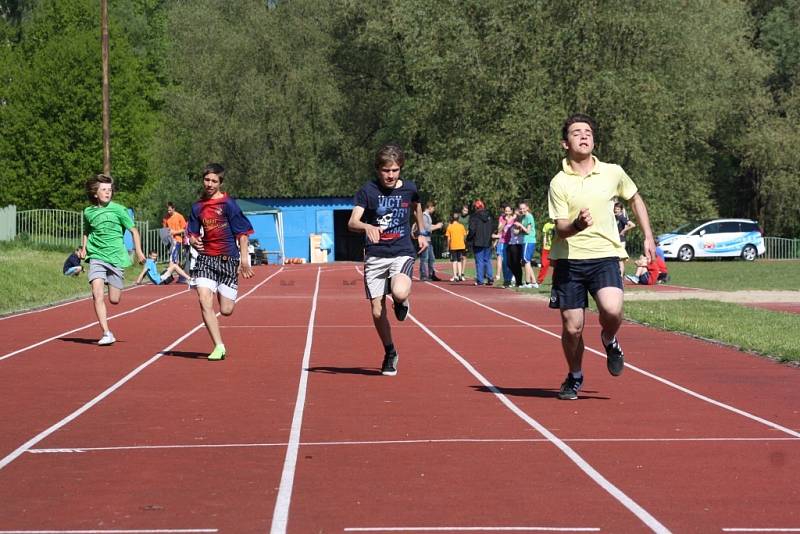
x=301, y=218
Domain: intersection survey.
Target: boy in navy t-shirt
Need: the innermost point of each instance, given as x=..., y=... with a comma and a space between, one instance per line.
x=382, y=212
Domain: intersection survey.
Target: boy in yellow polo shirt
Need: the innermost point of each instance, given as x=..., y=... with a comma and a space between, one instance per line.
x=586, y=248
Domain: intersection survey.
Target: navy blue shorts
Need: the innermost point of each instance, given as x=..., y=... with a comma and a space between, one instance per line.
x=574, y=280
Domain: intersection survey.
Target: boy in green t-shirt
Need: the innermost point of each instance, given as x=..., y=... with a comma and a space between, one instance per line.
x=104, y=225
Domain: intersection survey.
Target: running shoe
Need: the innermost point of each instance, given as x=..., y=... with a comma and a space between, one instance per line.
x=389, y=367
x=615, y=360
x=570, y=387
x=401, y=310
x=107, y=339
x=217, y=354
x=435, y=278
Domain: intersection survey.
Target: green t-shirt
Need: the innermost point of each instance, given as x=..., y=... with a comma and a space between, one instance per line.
x=105, y=227
x=530, y=224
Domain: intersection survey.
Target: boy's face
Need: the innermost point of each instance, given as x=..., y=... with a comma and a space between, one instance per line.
x=170, y=210
x=580, y=139
x=211, y=183
x=465, y=211
x=104, y=193
x=153, y=256
x=523, y=208
x=617, y=210
x=389, y=174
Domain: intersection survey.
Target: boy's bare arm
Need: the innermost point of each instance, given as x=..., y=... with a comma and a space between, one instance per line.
x=357, y=225
x=423, y=241
x=137, y=244
x=640, y=209
x=244, y=256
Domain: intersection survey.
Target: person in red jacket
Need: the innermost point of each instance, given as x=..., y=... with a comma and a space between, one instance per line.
x=649, y=274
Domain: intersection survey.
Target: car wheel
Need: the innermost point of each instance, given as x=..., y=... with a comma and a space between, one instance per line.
x=749, y=253
x=685, y=253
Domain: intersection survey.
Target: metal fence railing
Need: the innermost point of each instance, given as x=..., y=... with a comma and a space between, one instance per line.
x=781, y=248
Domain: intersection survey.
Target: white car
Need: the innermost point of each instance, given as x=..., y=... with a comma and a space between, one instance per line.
x=718, y=238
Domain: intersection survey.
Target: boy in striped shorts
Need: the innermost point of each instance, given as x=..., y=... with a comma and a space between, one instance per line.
x=382, y=212
x=225, y=232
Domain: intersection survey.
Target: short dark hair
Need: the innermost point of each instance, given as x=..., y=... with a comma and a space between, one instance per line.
x=93, y=184
x=577, y=117
x=171, y=205
x=391, y=153
x=215, y=168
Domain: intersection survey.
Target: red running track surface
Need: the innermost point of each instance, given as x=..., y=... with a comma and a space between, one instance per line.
x=297, y=431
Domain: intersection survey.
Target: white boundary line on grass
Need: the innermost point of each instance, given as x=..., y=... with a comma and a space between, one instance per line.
x=648, y=374
x=84, y=327
x=643, y=515
x=280, y=517
x=86, y=407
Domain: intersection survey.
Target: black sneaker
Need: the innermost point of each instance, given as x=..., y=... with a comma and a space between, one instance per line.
x=389, y=367
x=401, y=310
x=615, y=360
x=570, y=387
x=435, y=278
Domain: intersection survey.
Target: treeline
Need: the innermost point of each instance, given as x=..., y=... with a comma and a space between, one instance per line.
x=697, y=100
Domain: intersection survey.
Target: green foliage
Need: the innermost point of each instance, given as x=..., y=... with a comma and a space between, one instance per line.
x=696, y=100
x=52, y=108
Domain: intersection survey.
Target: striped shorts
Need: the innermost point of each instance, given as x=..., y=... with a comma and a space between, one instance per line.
x=217, y=273
x=378, y=273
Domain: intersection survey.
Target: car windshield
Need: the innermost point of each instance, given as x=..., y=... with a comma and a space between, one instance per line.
x=688, y=227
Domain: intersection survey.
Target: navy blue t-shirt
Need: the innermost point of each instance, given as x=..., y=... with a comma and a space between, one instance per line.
x=389, y=210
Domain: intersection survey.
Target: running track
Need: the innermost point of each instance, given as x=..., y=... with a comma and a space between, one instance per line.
x=297, y=431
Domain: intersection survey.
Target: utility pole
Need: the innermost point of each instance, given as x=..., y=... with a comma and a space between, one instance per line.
x=106, y=105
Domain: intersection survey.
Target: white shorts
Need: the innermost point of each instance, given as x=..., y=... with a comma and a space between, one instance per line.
x=378, y=273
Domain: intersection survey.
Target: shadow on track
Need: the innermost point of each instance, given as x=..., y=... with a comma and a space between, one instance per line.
x=345, y=370
x=542, y=393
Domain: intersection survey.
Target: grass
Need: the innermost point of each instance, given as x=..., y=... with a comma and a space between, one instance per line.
x=31, y=276
x=735, y=275
x=764, y=332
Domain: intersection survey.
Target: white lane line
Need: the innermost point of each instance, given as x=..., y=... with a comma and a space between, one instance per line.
x=70, y=450
x=93, y=323
x=280, y=517
x=791, y=529
x=648, y=374
x=643, y=515
x=471, y=529
x=77, y=413
x=115, y=531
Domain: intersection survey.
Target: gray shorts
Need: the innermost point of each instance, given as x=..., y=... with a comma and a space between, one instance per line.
x=110, y=274
x=378, y=273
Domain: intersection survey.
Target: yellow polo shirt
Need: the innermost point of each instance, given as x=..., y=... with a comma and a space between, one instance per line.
x=570, y=192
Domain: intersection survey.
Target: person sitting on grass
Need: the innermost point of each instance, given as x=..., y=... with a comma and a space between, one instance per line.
x=649, y=274
x=151, y=270
x=72, y=265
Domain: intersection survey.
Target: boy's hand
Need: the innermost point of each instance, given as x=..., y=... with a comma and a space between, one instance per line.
x=373, y=233
x=423, y=242
x=245, y=269
x=583, y=220
x=140, y=256
x=197, y=243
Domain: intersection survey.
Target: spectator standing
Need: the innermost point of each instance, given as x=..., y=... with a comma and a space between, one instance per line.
x=548, y=232
x=427, y=257
x=481, y=228
x=457, y=245
x=503, y=233
x=528, y=228
x=516, y=244
x=177, y=228
x=464, y=220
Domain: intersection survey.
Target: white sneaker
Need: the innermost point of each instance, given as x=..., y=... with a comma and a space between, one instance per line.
x=107, y=339
x=454, y=279
x=527, y=286
x=535, y=285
